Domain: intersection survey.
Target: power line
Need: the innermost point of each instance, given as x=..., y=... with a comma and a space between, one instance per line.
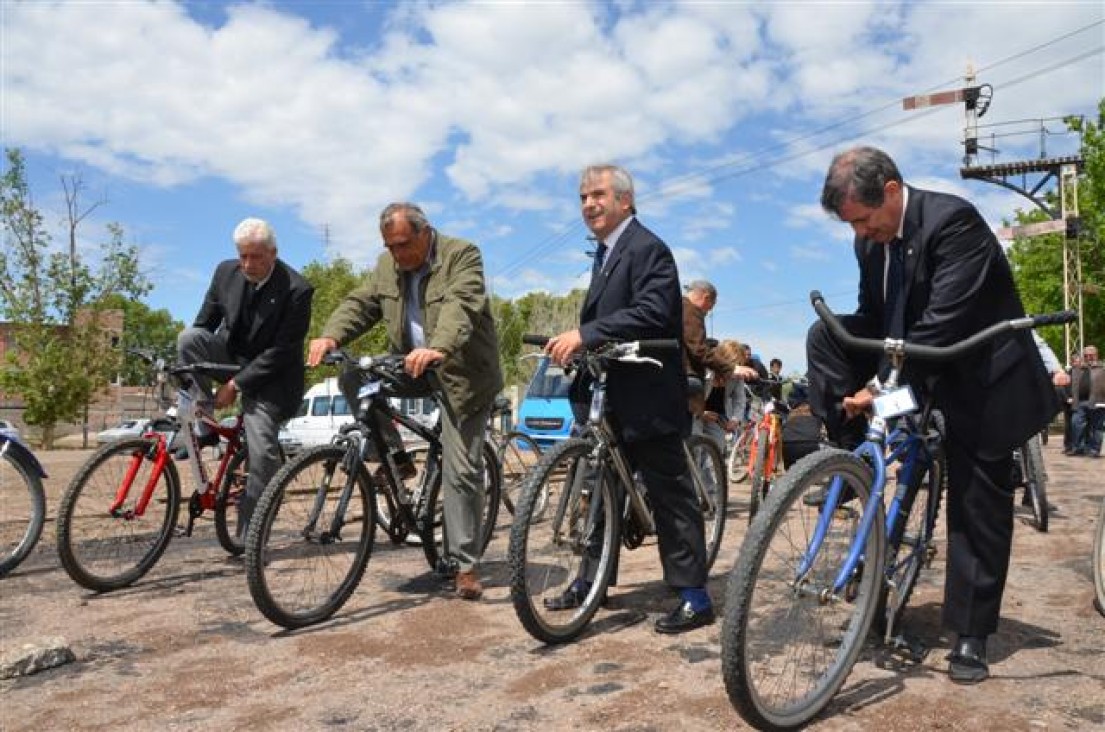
x=753, y=162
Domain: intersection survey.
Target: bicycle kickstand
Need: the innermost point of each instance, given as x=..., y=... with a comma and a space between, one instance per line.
x=914, y=650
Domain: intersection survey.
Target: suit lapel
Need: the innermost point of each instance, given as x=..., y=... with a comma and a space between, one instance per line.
x=599, y=280
x=269, y=298
x=911, y=240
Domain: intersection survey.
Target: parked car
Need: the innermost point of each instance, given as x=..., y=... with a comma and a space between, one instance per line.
x=124, y=430
x=546, y=413
x=8, y=428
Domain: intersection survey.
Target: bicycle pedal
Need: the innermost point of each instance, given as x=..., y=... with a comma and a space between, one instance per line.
x=914, y=650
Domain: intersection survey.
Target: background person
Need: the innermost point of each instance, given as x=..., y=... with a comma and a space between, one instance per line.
x=430, y=291
x=932, y=271
x=256, y=313
x=1087, y=384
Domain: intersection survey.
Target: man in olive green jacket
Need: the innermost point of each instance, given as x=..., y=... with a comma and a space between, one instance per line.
x=429, y=289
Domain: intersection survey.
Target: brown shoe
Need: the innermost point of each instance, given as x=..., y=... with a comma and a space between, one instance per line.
x=468, y=585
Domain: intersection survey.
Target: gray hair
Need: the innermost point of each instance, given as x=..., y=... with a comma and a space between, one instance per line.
x=859, y=174
x=705, y=287
x=255, y=230
x=619, y=176
x=411, y=212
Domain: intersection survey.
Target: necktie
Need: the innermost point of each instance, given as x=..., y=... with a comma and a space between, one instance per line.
x=894, y=311
x=600, y=258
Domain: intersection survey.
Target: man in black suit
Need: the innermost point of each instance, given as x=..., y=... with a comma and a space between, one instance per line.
x=932, y=272
x=634, y=294
x=256, y=314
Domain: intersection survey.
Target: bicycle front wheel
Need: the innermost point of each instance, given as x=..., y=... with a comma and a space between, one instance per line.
x=433, y=531
x=1099, y=560
x=22, y=510
x=1035, y=481
x=230, y=492
x=518, y=454
x=788, y=640
x=739, y=456
x=546, y=557
x=310, y=537
x=758, y=470
x=105, y=548
x=711, y=487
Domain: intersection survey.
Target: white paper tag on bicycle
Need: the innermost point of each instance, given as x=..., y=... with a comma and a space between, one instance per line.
x=894, y=403
x=369, y=389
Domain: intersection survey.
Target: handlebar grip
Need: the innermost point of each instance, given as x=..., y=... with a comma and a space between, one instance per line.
x=1059, y=318
x=334, y=356
x=530, y=339
x=658, y=344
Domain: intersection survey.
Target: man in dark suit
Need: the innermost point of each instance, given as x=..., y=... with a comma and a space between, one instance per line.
x=932, y=272
x=256, y=314
x=634, y=294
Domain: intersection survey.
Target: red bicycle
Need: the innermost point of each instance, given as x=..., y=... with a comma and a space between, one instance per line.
x=766, y=450
x=119, y=513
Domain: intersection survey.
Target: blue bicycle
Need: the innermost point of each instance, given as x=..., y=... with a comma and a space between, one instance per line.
x=826, y=559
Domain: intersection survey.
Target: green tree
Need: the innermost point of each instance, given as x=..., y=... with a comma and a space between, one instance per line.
x=57, y=302
x=1038, y=261
x=332, y=282
x=152, y=331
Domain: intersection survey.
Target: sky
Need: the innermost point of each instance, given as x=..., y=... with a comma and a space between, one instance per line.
x=182, y=118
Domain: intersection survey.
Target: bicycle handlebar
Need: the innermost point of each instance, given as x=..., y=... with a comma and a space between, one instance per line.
x=931, y=353
x=644, y=344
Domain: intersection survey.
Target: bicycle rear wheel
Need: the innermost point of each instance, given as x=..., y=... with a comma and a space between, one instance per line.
x=230, y=492
x=22, y=509
x=911, y=545
x=788, y=642
x=546, y=556
x=433, y=532
x=1035, y=481
x=310, y=537
x=105, y=550
x=758, y=488
x=1099, y=561
x=711, y=488
x=518, y=454
x=739, y=455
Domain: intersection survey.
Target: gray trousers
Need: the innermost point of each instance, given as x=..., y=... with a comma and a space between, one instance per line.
x=462, y=486
x=261, y=419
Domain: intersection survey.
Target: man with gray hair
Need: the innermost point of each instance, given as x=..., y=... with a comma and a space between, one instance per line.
x=429, y=290
x=256, y=313
x=698, y=355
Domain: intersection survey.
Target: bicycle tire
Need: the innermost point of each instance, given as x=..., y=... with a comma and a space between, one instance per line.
x=518, y=454
x=104, y=552
x=915, y=534
x=772, y=628
x=433, y=532
x=300, y=572
x=545, y=555
x=758, y=483
x=1035, y=481
x=739, y=456
x=706, y=463
x=232, y=488
x=24, y=510
x=1099, y=561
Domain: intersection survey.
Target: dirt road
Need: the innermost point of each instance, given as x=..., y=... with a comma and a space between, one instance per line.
x=185, y=649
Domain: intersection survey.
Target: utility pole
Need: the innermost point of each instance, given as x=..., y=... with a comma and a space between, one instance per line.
x=1064, y=170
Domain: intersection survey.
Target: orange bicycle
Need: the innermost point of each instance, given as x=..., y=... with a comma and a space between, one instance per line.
x=766, y=448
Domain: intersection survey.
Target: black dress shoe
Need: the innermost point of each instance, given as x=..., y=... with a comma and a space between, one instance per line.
x=968, y=660
x=570, y=599
x=684, y=618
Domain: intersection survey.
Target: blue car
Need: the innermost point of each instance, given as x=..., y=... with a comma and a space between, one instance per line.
x=545, y=413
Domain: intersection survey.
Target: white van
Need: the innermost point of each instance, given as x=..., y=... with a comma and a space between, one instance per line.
x=324, y=410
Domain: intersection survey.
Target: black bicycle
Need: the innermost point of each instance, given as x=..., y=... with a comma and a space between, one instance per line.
x=313, y=530
x=596, y=504
x=1032, y=476
x=22, y=502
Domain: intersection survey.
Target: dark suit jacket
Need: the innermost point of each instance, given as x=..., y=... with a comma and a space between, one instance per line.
x=957, y=282
x=272, y=349
x=638, y=297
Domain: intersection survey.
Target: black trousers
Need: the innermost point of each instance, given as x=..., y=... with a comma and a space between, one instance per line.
x=979, y=501
x=680, y=531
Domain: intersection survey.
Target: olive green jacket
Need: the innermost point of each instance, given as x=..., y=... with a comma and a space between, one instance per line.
x=456, y=318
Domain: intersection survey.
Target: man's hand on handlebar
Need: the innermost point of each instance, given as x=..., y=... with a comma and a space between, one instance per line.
x=417, y=361
x=318, y=348
x=561, y=348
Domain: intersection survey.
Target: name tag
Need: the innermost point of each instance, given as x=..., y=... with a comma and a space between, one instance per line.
x=369, y=389
x=895, y=403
